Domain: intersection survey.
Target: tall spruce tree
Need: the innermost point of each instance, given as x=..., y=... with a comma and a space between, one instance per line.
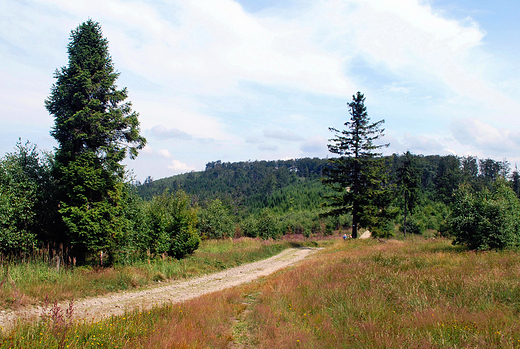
x=358, y=175
x=95, y=130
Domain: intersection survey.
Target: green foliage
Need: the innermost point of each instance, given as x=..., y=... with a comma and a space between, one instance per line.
x=515, y=182
x=17, y=203
x=172, y=224
x=413, y=226
x=358, y=175
x=26, y=199
x=89, y=111
x=95, y=130
x=248, y=187
x=215, y=221
x=430, y=215
x=267, y=225
x=448, y=177
x=135, y=240
x=487, y=219
x=249, y=227
x=303, y=222
x=408, y=186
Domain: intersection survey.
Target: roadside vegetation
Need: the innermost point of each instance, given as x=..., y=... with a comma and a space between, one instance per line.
x=412, y=293
x=34, y=281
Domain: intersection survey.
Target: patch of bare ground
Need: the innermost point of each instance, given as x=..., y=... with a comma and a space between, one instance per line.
x=116, y=304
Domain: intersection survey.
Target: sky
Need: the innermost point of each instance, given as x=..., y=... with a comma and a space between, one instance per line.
x=265, y=79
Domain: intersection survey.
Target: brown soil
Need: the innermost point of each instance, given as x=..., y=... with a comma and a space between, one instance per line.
x=95, y=309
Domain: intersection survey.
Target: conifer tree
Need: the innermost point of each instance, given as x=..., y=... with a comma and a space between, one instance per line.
x=95, y=129
x=408, y=182
x=357, y=175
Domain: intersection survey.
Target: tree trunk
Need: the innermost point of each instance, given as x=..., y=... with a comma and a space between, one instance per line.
x=354, y=220
x=404, y=224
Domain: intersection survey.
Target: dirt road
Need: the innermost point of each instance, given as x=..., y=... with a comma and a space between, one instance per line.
x=94, y=309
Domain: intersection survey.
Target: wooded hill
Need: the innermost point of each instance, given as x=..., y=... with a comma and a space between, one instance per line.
x=248, y=187
x=289, y=186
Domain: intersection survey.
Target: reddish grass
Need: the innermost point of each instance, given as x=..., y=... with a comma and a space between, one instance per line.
x=354, y=294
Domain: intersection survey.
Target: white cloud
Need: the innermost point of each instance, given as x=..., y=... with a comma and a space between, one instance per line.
x=397, y=89
x=484, y=137
x=151, y=153
x=253, y=140
x=209, y=46
x=186, y=63
x=416, y=143
x=179, y=167
x=165, y=153
x=182, y=118
x=147, y=150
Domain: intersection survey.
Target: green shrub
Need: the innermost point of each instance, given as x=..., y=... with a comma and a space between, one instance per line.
x=301, y=222
x=172, y=225
x=413, y=226
x=215, y=222
x=267, y=225
x=488, y=219
x=249, y=227
x=26, y=201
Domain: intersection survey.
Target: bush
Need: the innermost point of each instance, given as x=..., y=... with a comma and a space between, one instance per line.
x=413, y=226
x=299, y=222
x=248, y=227
x=172, y=225
x=488, y=219
x=267, y=225
x=215, y=222
x=26, y=206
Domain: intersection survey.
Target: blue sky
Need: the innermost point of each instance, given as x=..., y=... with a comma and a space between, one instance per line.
x=251, y=80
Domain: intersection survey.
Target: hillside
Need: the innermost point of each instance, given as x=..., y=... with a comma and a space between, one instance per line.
x=248, y=187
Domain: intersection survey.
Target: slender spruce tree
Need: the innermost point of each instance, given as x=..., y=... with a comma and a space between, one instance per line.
x=408, y=184
x=357, y=174
x=95, y=129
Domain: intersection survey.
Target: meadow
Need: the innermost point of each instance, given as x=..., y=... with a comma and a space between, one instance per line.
x=413, y=293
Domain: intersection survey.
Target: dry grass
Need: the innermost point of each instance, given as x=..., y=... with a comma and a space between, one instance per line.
x=32, y=282
x=354, y=294
x=417, y=294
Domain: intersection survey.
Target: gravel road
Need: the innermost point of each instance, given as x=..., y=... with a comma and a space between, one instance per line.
x=94, y=309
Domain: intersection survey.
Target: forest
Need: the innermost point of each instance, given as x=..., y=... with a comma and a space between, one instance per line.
x=292, y=190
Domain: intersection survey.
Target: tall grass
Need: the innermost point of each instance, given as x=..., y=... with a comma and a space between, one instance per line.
x=35, y=280
x=414, y=293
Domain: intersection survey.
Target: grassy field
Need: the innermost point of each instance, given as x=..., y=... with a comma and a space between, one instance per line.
x=415, y=293
x=33, y=282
